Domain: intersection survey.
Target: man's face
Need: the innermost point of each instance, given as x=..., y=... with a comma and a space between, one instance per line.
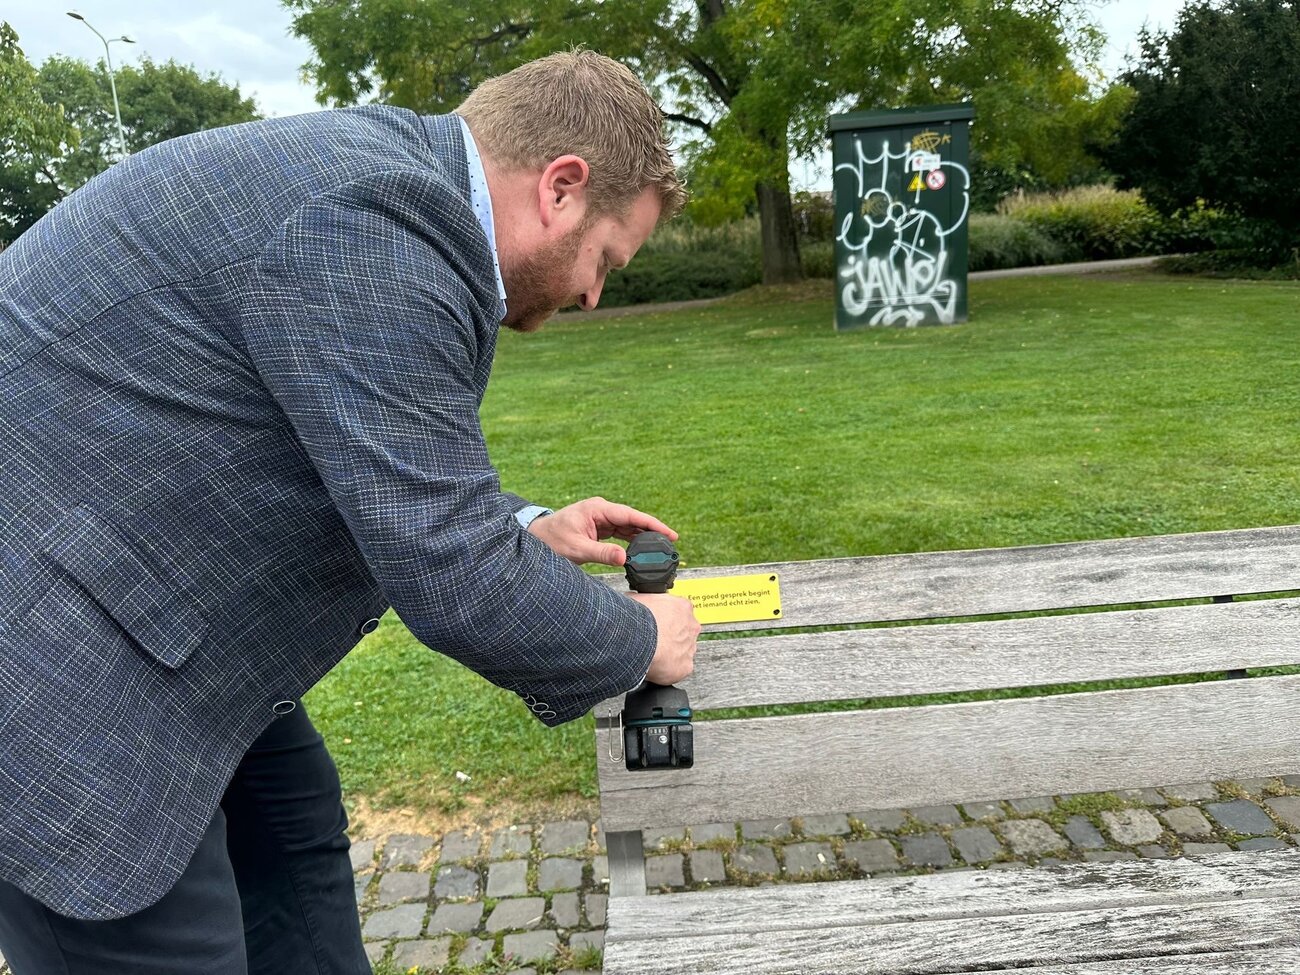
x=571, y=269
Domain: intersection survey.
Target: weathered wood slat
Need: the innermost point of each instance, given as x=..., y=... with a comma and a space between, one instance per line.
x=955, y=895
x=1009, y=580
x=972, y=944
x=946, y=657
x=779, y=767
x=1269, y=961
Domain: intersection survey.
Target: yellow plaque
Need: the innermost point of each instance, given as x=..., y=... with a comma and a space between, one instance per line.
x=732, y=599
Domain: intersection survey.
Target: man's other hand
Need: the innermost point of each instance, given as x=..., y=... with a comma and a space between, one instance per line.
x=674, y=657
x=576, y=532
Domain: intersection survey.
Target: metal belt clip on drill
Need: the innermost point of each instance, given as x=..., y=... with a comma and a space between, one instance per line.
x=656, y=719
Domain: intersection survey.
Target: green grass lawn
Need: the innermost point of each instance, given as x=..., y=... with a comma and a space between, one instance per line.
x=1067, y=408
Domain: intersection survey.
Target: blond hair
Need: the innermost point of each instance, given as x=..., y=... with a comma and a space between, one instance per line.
x=581, y=103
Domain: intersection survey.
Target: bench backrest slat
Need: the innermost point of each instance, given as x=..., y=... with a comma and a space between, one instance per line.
x=987, y=655
x=771, y=768
x=982, y=582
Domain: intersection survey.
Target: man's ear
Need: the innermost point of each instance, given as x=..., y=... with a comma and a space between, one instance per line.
x=562, y=192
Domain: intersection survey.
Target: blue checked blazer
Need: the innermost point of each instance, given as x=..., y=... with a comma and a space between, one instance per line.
x=239, y=386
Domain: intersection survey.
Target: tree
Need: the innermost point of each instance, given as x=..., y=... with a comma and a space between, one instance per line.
x=159, y=102
x=32, y=133
x=1216, y=116
x=749, y=82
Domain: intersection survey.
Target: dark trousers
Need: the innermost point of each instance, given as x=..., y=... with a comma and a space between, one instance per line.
x=268, y=892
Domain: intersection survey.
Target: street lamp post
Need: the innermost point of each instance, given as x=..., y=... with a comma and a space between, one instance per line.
x=112, y=83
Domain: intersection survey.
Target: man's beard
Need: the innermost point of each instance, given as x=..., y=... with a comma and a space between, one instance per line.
x=532, y=295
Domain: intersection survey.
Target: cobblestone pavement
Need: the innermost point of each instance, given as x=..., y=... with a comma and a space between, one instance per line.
x=532, y=898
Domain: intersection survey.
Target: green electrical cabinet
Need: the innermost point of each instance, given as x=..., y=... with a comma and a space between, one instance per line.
x=902, y=201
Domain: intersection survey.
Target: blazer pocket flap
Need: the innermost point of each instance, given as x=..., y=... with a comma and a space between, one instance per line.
x=145, y=606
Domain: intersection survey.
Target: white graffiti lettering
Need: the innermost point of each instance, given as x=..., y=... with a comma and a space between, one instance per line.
x=911, y=282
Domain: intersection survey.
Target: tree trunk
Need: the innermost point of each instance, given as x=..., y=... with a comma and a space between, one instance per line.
x=780, y=243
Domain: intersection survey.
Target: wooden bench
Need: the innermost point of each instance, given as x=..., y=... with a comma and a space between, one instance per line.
x=1237, y=912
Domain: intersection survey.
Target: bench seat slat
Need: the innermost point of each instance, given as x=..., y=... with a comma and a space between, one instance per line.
x=981, y=582
x=1268, y=961
x=1027, y=941
x=903, y=757
x=956, y=895
x=947, y=657
x=1074, y=918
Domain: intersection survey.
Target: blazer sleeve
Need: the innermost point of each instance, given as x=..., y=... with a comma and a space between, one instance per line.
x=358, y=320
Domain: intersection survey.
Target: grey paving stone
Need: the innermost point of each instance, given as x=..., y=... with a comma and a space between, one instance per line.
x=403, y=885
x=1034, y=804
x=926, y=850
x=881, y=820
x=659, y=839
x=456, y=918
x=752, y=858
x=833, y=825
x=559, y=873
x=1196, y=849
x=460, y=844
x=984, y=810
x=595, y=905
x=533, y=946
x=1080, y=831
x=421, y=954
x=566, y=910
x=1255, y=787
x=1241, y=816
x=1031, y=837
x=713, y=832
x=767, y=829
x=396, y=922
x=375, y=950
x=517, y=914
x=507, y=878
x=1192, y=792
x=1187, y=821
x=807, y=859
x=976, y=844
x=456, y=882
x=872, y=856
x=476, y=952
x=360, y=882
x=1129, y=827
x=587, y=939
x=599, y=871
x=571, y=834
x=1153, y=852
x=1109, y=856
x=665, y=871
x=937, y=815
x=707, y=867
x=405, y=850
x=1148, y=797
x=362, y=854
x=517, y=840
x=1291, y=781
x=1287, y=809
x=1262, y=843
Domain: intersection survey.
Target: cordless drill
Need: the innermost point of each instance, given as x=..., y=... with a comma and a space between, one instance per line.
x=656, y=719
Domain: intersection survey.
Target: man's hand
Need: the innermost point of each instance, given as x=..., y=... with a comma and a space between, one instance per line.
x=575, y=532
x=674, y=657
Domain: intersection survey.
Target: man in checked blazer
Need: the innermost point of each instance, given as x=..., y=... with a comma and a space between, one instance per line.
x=239, y=386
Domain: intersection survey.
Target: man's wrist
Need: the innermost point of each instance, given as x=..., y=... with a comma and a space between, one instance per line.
x=528, y=515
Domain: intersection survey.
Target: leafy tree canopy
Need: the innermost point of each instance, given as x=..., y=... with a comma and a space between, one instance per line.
x=1216, y=116
x=750, y=82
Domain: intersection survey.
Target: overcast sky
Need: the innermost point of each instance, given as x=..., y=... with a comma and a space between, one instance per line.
x=248, y=41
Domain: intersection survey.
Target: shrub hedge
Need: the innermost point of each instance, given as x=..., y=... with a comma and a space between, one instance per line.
x=682, y=261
